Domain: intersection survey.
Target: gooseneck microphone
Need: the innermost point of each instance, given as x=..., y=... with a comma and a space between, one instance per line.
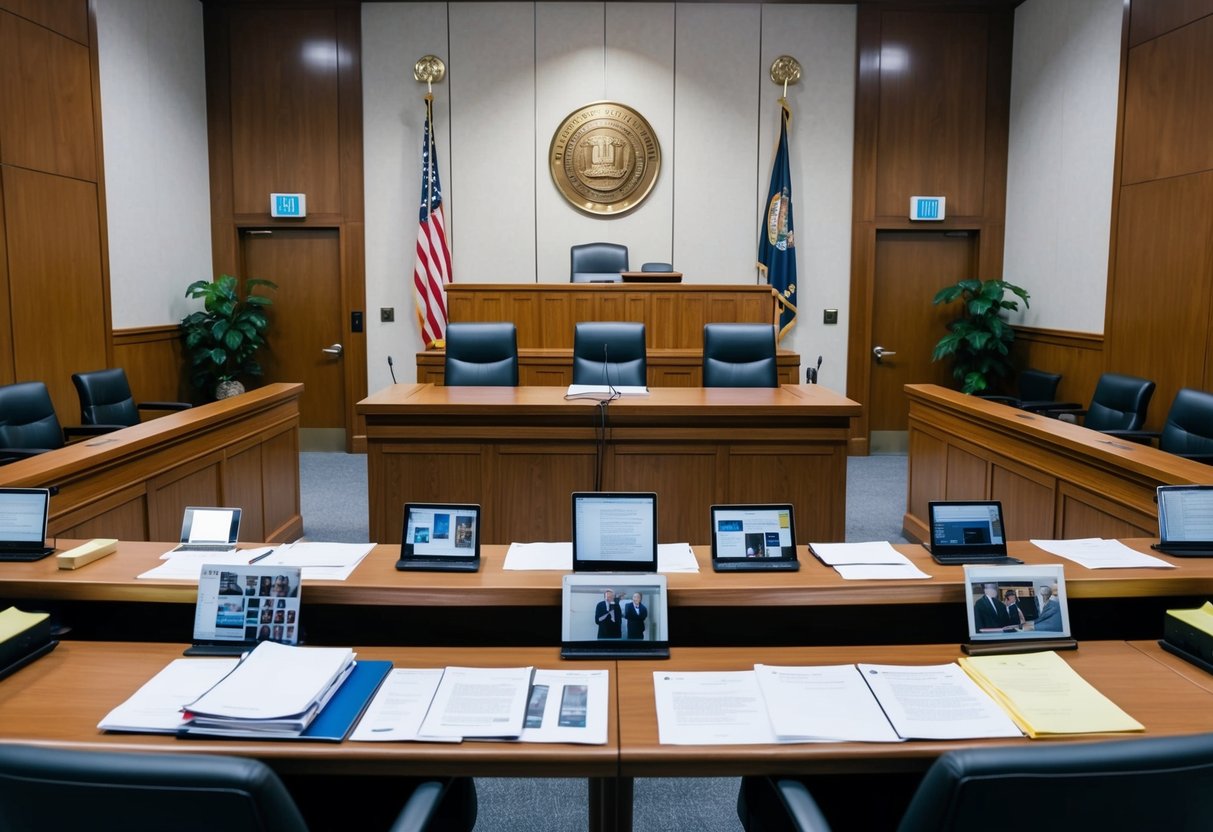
x=391, y=369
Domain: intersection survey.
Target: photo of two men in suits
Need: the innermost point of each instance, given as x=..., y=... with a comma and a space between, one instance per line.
x=621, y=620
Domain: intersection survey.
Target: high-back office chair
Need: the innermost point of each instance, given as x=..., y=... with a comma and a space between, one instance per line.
x=1188, y=431
x=739, y=355
x=1120, y=402
x=49, y=788
x=481, y=354
x=597, y=263
x=106, y=399
x=1034, y=388
x=609, y=352
x=657, y=267
x=1120, y=786
x=28, y=424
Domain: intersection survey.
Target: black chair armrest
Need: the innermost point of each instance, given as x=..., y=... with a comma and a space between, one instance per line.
x=1207, y=459
x=163, y=406
x=421, y=807
x=8, y=455
x=78, y=432
x=1143, y=437
x=802, y=809
x=1048, y=408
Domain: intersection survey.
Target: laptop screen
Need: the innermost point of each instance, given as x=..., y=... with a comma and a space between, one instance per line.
x=745, y=532
x=248, y=604
x=210, y=525
x=23, y=515
x=1185, y=513
x=440, y=531
x=957, y=527
x=614, y=532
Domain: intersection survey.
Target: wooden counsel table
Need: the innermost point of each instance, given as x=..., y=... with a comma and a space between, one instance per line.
x=1056, y=480
x=134, y=483
x=521, y=451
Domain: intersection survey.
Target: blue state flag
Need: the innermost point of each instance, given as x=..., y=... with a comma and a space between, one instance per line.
x=776, y=239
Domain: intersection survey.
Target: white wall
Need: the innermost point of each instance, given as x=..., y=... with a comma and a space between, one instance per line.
x=157, y=184
x=1065, y=72
x=697, y=72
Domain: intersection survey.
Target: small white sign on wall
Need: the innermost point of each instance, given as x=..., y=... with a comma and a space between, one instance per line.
x=929, y=208
x=288, y=205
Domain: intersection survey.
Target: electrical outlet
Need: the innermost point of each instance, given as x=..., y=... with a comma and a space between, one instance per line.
x=830, y=317
x=387, y=314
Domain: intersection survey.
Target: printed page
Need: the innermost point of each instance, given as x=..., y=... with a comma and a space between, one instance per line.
x=400, y=706
x=829, y=703
x=877, y=551
x=1096, y=553
x=711, y=708
x=479, y=702
x=568, y=706
x=936, y=702
x=556, y=557
x=156, y=707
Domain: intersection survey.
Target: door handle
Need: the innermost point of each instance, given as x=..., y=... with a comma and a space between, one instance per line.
x=334, y=350
x=881, y=352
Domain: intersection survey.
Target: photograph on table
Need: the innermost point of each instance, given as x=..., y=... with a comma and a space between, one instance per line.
x=619, y=613
x=1016, y=602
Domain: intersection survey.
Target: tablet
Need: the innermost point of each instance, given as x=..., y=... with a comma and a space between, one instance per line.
x=753, y=537
x=614, y=532
x=239, y=606
x=440, y=537
x=1012, y=603
x=620, y=616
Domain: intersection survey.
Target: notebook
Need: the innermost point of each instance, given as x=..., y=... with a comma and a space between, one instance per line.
x=753, y=538
x=1185, y=520
x=614, y=616
x=968, y=532
x=614, y=532
x=209, y=529
x=23, y=516
x=440, y=537
x=240, y=606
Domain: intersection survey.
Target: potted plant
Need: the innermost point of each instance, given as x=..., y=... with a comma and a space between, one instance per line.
x=979, y=341
x=222, y=339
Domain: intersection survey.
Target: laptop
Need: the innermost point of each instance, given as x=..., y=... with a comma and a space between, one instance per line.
x=753, y=538
x=614, y=532
x=209, y=530
x=440, y=537
x=1185, y=520
x=240, y=606
x=968, y=532
x=23, y=517
x=614, y=616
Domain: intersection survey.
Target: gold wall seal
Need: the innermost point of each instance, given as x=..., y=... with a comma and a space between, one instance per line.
x=604, y=158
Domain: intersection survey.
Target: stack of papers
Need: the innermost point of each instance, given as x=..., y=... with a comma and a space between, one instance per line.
x=319, y=561
x=187, y=566
x=867, y=561
x=558, y=557
x=1097, y=553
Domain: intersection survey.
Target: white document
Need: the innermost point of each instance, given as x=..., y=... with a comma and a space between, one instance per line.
x=676, y=557
x=558, y=557
x=936, y=702
x=1096, y=553
x=320, y=561
x=484, y=702
x=880, y=572
x=568, y=706
x=876, y=551
x=399, y=706
x=598, y=391
x=156, y=707
x=187, y=566
x=710, y=708
x=828, y=703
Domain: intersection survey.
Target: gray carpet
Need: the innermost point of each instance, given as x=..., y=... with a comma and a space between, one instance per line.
x=334, y=505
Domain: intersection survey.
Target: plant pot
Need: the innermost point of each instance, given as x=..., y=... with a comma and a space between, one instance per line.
x=227, y=389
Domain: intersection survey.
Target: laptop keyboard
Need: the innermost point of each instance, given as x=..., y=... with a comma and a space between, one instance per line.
x=205, y=547
x=756, y=565
x=25, y=557
x=613, y=649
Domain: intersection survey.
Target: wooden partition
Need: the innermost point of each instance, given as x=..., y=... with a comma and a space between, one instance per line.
x=1055, y=479
x=134, y=483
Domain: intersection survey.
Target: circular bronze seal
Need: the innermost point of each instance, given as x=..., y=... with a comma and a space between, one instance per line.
x=604, y=158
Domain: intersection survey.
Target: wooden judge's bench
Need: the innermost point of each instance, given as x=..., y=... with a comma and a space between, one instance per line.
x=673, y=314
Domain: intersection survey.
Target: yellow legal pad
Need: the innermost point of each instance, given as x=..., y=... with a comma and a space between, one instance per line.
x=1200, y=618
x=13, y=622
x=1044, y=695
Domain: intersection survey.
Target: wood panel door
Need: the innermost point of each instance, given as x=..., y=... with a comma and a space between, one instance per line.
x=306, y=317
x=911, y=266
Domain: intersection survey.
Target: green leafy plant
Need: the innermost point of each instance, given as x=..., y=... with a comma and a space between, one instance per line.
x=979, y=341
x=222, y=339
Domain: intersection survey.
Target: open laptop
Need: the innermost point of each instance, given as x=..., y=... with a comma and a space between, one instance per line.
x=614, y=532
x=614, y=616
x=1185, y=520
x=753, y=538
x=440, y=537
x=23, y=517
x=968, y=531
x=209, y=530
x=239, y=606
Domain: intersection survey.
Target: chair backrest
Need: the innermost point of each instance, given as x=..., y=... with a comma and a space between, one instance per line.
x=597, y=259
x=27, y=417
x=739, y=355
x=657, y=267
x=106, y=398
x=1038, y=386
x=1158, y=783
x=481, y=354
x=1189, y=427
x=619, y=344
x=1120, y=403
x=48, y=788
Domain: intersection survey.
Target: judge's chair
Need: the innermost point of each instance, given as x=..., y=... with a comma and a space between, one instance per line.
x=48, y=788
x=28, y=424
x=609, y=353
x=481, y=355
x=1119, y=786
x=106, y=399
x=739, y=355
x=598, y=263
x=1120, y=402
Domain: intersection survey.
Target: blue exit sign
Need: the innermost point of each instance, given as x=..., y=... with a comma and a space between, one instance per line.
x=288, y=205
x=927, y=207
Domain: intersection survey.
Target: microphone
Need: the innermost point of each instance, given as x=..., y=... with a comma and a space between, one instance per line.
x=391, y=369
x=606, y=372
x=810, y=373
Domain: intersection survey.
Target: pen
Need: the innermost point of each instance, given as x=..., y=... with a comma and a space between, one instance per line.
x=262, y=556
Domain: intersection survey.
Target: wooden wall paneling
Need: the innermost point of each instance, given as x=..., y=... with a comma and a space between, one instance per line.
x=996, y=140
x=7, y=374
x=927, y=474
x=242, y=486
x=280, y=483
x=225, y=237
x=198, y=482
x=1082, y=513
x=435, y=472
x=1168, y=113
x=691, y=471
x=968, y=476
x=1151, y=18
x=1078, y=356
x=55, y=280
x=534, y=493
x=154, y=360
x=126, y=521
x=46, y=97
x=353, y=228
x=67, y=17
x=1033, y=495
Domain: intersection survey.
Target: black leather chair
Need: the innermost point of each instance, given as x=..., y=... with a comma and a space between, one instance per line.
x=1188, y=431
x=609, y=352
x=106, y=399
x=657, y=267
x=28, y=424
x=598, y=263
x=1036, y=389
x=1119, y=403
x=1121, y=786
x=481, y=355
x=48, y=788
x=739, y=355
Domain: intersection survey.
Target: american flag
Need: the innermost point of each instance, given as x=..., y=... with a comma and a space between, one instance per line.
x=433, y=270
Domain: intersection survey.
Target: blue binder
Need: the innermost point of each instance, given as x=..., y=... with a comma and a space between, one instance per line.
x=334, y=723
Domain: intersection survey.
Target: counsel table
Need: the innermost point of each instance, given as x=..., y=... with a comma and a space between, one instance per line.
x=521, y=451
